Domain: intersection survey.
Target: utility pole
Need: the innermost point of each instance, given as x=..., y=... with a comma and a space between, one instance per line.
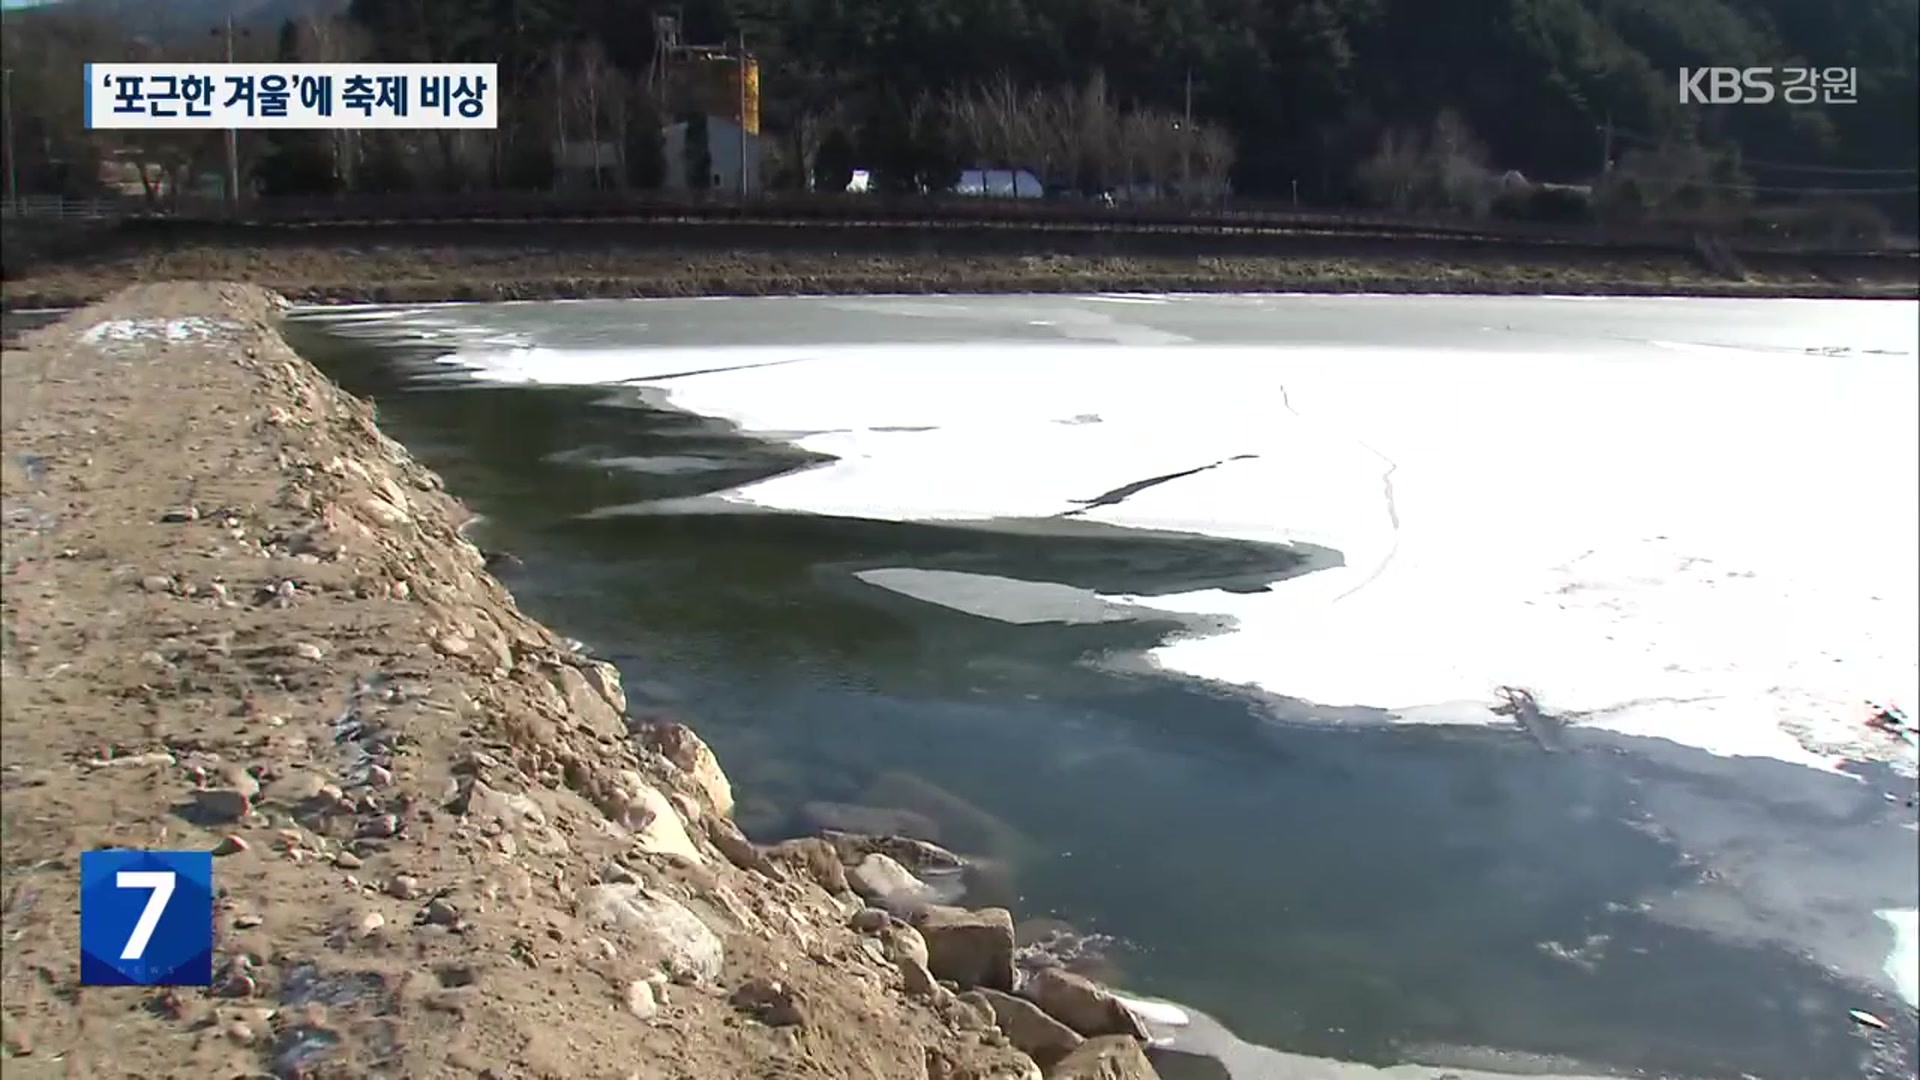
x=233, y=138
x=6, y=119
x=1186, y=142
x=743, y=115
x=560, y=117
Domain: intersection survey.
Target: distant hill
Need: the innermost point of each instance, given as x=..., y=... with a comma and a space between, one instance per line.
x=177, y=18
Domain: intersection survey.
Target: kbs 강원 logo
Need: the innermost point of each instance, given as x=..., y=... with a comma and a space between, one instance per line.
x=1763, y=85
x=146, y=918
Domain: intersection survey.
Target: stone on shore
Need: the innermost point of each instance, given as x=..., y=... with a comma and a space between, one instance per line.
x=678, y=744
x=917, y=980
x=1030, y=1029
x=889, y=885
x=904, y=942
x=587, y=705
x=657, y=828
x=813, y=858
x=962, y=825
x=605, y=680
x=1081, y=1004
x=1109, y=1057
x=849, y=818
x=972, y=948
x=641, y=1001
x=769, y=1001
x=734, y=846
x=919, y=856
x=223, y=805
x=1006, y=1064
x=684, y=946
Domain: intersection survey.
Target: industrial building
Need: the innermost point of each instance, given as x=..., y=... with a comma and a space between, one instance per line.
x=711, y=97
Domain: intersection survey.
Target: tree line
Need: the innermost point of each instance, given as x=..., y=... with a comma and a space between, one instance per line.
x=1405, y=103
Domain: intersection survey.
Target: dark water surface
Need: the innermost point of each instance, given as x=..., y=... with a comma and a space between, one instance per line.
x=15, y=323
x=1360, y=892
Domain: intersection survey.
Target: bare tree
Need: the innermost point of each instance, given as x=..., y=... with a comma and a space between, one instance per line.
x=1675, y=179
x=623, y=89
x=1444, y=168
x=1391, y=177
x=816, y=125
x=1214, y=153
x=1092, y=132
x=592, y=84
x=995, y=123
x=1458, y=162
x=1077, y=136
x=1053, y=117
x=1143, y=140
x=323, y=39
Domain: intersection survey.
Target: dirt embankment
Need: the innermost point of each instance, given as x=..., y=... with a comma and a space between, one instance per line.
x=238, y=618
x=398, y=263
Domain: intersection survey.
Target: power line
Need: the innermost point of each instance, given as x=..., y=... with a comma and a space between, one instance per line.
x=1776, y=190
x=1779, y=166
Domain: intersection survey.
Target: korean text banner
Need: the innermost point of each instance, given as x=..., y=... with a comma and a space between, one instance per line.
x=289, y=96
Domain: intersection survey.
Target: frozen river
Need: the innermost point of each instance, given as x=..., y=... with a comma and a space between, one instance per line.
x=1203, y=607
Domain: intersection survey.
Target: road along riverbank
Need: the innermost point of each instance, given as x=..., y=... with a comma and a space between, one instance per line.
x=402, y=263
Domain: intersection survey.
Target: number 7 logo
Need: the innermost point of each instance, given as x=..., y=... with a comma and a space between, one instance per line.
x=161, y=882
x=146, y=918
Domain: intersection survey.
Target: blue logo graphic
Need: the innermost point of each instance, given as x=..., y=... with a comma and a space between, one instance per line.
x=146, y=918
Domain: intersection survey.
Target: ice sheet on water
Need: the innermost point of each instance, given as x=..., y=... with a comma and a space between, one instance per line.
x=1672, y=549
x=1188, y=1031
x=1005, y=599
x=1903, y=963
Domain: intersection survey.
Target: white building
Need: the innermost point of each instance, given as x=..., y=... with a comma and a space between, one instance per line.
x=723, y=155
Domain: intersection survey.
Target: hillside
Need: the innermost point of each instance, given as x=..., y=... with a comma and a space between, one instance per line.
x=1328, y=102
x=183, y=18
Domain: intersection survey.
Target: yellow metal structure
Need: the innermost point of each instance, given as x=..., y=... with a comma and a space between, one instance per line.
x=712, y=85
x=751, y=121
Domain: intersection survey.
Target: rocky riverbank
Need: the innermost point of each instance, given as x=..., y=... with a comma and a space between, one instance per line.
x=562, y=261
x=239, y=618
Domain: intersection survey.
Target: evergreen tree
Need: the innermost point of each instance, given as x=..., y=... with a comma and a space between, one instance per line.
x=296, y=162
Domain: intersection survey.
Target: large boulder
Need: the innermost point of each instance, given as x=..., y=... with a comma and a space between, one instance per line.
x=1030, y=1029
x=972, y=948
x=1081, y=1004
x=1110, y=1057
